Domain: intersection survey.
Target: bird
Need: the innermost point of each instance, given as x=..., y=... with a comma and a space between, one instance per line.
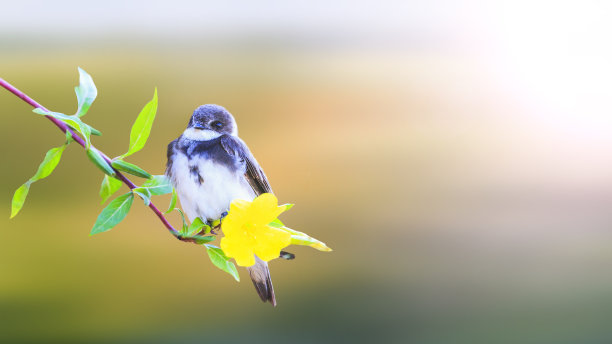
x=209, y=166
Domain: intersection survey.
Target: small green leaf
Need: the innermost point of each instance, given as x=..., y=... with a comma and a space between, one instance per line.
x=287, y=206
x=19, y=198
x=86, y=92
x=69, y=138
x=311, y=242
x=172, y=202
x=142, y=126
x=95, y=157
x=52, y=158
x=220, y=260
x=196, y=226
x=46, y=167
x=184, y=230
x=130, y=168
x=203, y=239
x=109, y=186
x=85, y=130
x=94, y=131
x=198, y=239
x=158, y=185
x=303, y=239
x=290, y=231
x=114, y=213
x=144, y=193
x=71, y=121
x=276, y=223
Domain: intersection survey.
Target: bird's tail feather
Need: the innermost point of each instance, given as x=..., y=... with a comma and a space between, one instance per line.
x=260, y=275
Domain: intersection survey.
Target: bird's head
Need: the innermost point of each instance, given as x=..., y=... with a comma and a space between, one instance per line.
x=210, y=121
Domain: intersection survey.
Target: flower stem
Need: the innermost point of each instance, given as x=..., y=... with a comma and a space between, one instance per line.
x=64, y=128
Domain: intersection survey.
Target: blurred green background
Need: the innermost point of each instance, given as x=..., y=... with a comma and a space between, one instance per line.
x=455, y=154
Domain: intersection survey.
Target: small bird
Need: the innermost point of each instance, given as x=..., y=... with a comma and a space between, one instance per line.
x=209, y=166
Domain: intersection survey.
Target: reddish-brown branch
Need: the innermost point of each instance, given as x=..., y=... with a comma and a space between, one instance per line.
x=63, y=127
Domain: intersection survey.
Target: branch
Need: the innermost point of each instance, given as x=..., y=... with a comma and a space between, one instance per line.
x=64, y=128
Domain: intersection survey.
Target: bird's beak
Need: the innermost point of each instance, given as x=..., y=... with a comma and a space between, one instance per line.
x=199, y=127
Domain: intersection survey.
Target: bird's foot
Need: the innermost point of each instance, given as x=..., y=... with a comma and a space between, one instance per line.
x=216, y=224
x=213, y=229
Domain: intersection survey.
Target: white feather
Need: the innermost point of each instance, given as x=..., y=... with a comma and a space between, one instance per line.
x=212, y=197
x=200, y=134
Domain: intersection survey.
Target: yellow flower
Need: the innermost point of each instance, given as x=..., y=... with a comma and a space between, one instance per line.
x=248, y=231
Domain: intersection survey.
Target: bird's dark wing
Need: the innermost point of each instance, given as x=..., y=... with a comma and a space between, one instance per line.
x=170, y=155
x=254, y=174
x=259, y=273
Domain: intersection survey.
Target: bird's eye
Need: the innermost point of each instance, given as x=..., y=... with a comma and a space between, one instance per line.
x=216, y=124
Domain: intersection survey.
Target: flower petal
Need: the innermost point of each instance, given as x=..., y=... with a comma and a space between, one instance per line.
x=232, y=224
x=264, y=209
x=270, y=241
x=239, y=206
x=240, y=248
x=245, y=259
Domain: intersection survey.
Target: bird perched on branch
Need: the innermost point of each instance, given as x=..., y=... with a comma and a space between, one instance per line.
x=209, y=166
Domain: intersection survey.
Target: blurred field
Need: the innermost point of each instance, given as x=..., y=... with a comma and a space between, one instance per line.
x=466, y=194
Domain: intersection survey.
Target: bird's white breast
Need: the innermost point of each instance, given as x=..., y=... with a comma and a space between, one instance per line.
x=208, y=193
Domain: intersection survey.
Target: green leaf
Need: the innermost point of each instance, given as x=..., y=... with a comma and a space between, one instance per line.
x=114, y=213
x=291, y=231
x=309, y=241
x=95, y=157
x=287, y=206
x=86, y=92
x=144, y=193
x=158, y=185
x=19, y=198
x=130, y=168
x=109, y=186
x=203, y=239
x=276, y=223
x=142, y=126
x=220, y=260
x=85, y=130
x=94, y=131
x=71, y=121
x=303, y=239
x=184, y=230
x=46, y=167
x=69, y=138
x=172, y=202
x=196, y=226
x=199, y=239
x=52, y=158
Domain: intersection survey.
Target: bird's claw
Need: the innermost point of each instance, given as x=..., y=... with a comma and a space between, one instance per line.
x=216, y=224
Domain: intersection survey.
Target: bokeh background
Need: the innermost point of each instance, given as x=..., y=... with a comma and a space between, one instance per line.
x=455, y=154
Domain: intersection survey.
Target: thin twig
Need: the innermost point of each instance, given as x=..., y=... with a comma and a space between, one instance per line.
x=64, y=128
